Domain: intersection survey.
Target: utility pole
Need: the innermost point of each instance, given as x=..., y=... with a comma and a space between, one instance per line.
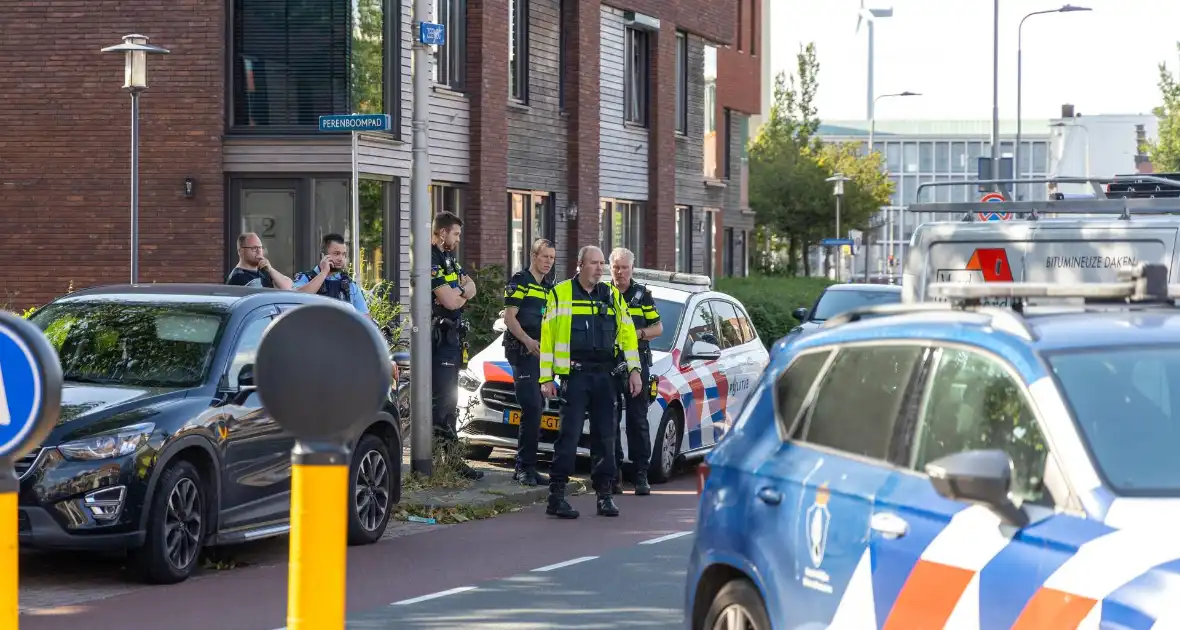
x=421, y=431
x=996, y=94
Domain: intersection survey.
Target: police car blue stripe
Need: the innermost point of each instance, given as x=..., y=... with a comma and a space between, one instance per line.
x=1137, y=604
x=692, y=429
x=1011, y=579
x=913, y=499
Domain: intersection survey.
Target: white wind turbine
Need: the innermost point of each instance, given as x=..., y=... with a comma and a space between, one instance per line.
x=870, y=16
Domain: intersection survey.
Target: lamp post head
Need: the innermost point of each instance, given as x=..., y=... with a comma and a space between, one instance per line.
x=1069, y=8
x=136, y=49
x=838, y=183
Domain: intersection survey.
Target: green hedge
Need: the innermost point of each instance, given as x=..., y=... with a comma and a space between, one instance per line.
x=770, y=300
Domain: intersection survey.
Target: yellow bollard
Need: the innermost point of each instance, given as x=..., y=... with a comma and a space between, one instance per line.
x=316, y=589
x=10, y=566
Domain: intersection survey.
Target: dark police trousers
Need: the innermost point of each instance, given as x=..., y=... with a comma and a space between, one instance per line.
x=526, y=368
x=587, y=389
x=444, y=398
x=633, y=410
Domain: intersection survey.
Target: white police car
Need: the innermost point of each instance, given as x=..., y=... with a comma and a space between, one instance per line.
x=704, y=366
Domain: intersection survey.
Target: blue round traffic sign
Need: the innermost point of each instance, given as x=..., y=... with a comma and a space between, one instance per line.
x=30, y=386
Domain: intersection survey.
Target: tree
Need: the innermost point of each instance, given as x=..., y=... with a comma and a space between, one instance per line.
x=1165, y=152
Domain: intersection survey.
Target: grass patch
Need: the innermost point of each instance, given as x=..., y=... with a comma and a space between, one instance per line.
x=458, y=513
x=446, y=471
x=770, y=300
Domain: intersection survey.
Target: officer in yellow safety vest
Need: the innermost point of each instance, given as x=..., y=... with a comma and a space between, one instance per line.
x=586, y=322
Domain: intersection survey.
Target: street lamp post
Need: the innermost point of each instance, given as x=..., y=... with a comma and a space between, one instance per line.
x=838, y=189
x=872, y=132
x=1069, y=8
x=136, y=49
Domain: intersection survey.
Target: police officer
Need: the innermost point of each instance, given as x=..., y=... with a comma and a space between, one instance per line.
x=330, y=277
x=524, y=305
x=642, y=308
x=452, y=289
x=585, y=324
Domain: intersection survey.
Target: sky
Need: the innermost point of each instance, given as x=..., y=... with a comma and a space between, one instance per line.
x=1103, y=61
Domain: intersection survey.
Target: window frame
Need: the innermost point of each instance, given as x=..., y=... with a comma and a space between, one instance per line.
x=268, y=312
x=636, y=106
x=391, y=76
x=727, y=150
x=518, y=38
x=442, y=192
x=898, y=451
x=737, y=325
x=687, y=318
x=548, y=223
x=684, y=240
x=682, y=83
x=754, y=30
x=788, y=427
x=633, y=211
x=454, y=51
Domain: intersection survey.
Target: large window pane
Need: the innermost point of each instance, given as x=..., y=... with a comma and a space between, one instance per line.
x=942, y=157
x=635, y=77
x=893, y=157
x=373, y=254
x=330, y=212
x=926, y=157
x=1040, y=157
x=910, y=157
x=368, y=57
x=291, y=62
x=450, y=59
x=516, y=247
x=710, y=112
x=958, y=157
x=518, y=54
x=271, y=214
x=974, y=151
x=681, y=82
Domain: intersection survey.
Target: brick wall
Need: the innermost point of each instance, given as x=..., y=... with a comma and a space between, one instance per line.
x=739, y=73
x=486, y=216
x=584, y=21
x=64, y=183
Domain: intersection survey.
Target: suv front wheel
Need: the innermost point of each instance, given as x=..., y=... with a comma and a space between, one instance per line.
x=175, y=527
x=372, y=490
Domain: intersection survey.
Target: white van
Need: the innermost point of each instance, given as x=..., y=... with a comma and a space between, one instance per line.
x=1087, y=240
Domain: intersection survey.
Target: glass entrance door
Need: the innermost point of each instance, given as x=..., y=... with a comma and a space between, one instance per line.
x=270, y=212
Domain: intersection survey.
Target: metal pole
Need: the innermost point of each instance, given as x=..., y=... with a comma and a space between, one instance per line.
x=420, y=356
x=1019, y=88
x=839, y=248
x=995, y=161
x=356, y=209
x=134, y=186
x=871, y=101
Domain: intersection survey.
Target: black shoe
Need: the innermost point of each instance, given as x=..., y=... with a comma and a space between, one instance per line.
x=616, y=484
x=531, y=478
x=557, y=505
x=642, y=487
x=467, y=472
x=606, y=505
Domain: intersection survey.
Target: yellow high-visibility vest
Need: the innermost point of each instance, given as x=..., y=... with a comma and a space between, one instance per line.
x=556, y=327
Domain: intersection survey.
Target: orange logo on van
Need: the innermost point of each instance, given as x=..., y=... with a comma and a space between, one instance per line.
x=992, y=263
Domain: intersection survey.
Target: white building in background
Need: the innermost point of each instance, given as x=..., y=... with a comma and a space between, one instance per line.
x=767, y=72
x=1098, y=146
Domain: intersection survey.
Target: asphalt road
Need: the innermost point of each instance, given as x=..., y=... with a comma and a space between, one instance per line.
x=634, y=587
x=394, y=570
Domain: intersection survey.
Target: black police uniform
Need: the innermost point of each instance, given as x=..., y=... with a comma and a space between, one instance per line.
x=339, y=287
x=642, y=308
x=527, y=295
x=589, y=387
x=447, y=347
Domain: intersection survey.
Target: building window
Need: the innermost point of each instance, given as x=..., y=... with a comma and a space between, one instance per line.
x=710, y=133
x=532, y=217
x=450, y=59
x=753, y=27
x=710, y=217
x=518, y=50
x=727, y=134
x=378, y=255
x=727, y=252
x=635, y=76
x=683, y=239
x=292, y=66
x=681, y=82
x=562, y=43
x=621, y=225
x=449, y=198
x=740, y=23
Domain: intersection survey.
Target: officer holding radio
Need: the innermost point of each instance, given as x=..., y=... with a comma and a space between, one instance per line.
x=524, y=306
x=642, y=308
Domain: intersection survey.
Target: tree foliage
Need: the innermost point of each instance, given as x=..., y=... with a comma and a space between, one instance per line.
x=1165, y=152
x=789, y=164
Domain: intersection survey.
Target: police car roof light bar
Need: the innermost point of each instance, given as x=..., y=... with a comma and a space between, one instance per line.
x=1001, y=319
x=672, y=279
x=1095, y=183
x=1100, y=202
x=1143, y=283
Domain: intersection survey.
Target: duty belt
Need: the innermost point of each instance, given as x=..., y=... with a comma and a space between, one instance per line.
x=592, y=366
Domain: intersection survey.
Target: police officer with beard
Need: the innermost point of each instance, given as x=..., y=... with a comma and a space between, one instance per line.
x=452, y=288
x=642, y=309
x=524, y=306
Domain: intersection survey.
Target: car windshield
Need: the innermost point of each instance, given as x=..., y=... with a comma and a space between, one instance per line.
x=1126, y=402
x=137, y=345
x=670, y=315
x=832, y=303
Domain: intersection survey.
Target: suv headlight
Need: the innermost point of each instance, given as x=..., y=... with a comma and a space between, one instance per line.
x=468, y=381
x=110, y=444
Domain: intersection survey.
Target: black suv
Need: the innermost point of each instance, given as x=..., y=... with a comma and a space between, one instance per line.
x=163, y=446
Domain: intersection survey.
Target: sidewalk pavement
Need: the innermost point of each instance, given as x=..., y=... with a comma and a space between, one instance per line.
x=495, y=494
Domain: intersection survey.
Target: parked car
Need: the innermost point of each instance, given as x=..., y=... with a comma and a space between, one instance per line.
x=163, y=446
x=836, y=299
x=966, y=467
x=703, y=367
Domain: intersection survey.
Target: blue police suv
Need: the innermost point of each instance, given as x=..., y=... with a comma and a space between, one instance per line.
x=163, y=446
x=955, y=465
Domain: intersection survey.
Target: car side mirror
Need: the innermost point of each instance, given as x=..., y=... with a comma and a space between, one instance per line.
x=703, y=351
x=800, y=314
x=500, y=326
x=980, y=478
x=246, y=377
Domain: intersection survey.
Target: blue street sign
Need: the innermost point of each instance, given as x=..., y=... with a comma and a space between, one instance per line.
x=432, y=34
x=22, y=391
x=836, y=242
x=355, y=122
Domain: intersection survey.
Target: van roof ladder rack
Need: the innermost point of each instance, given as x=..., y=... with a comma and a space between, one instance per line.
x=1115, y=203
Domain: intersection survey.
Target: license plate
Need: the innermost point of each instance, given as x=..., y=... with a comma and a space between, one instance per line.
x=549, y=422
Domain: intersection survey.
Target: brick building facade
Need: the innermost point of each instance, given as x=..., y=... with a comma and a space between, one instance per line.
x=599, y=131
